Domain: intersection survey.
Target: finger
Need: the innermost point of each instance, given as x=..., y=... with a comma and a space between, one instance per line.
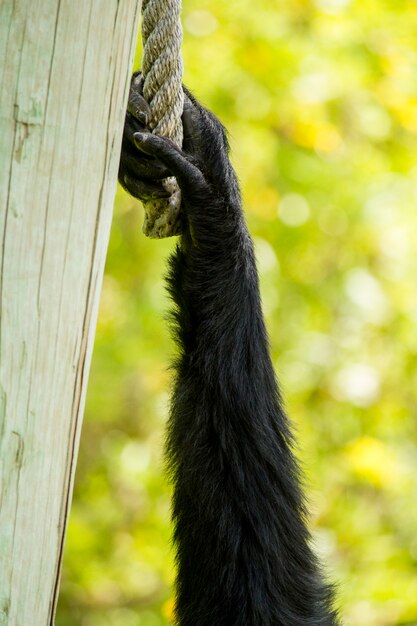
x=195, y=117
x=139, y=165
x=190, y=114
x=144, y=190
x=138, y=107
x=151, y=168
x=132, y=125
x=166, y=151
x=136, y=76
x=191, y=122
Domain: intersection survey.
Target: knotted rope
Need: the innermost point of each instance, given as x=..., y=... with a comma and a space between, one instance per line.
x=162, y=69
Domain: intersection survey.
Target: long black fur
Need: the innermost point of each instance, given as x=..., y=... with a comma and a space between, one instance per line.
x=243, y=547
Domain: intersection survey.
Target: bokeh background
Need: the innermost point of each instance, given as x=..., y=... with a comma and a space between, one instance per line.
x=320, y=98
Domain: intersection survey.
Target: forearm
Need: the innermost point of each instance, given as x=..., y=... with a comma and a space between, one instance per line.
x=215, y=286
x=224, y=352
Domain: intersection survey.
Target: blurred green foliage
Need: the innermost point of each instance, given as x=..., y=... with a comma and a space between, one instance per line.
x=320, y=98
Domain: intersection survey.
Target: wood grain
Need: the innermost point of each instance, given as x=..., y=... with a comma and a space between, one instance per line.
x=64, y=77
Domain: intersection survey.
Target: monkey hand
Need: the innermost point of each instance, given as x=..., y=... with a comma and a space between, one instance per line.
x=139, y=174
x=201, y=167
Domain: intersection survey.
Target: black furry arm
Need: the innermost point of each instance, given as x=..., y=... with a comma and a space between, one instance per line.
x=243, y=551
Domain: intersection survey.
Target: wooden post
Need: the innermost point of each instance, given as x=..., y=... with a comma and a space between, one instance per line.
x=64, y=78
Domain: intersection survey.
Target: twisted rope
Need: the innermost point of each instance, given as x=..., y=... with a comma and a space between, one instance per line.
x=162, y=69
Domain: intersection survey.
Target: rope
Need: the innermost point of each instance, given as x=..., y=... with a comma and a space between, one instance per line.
x=162, y=69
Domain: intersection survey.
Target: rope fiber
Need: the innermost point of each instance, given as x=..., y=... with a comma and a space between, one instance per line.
x=162, y=69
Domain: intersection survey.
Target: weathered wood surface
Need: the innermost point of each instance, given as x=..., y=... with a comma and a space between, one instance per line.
x=64, y=76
